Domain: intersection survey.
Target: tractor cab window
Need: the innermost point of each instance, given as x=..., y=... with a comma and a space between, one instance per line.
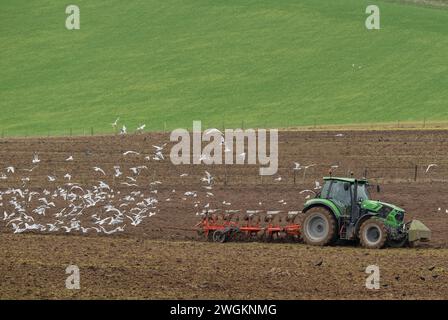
x=325, y=189
x=340, y=194
x=362, y=192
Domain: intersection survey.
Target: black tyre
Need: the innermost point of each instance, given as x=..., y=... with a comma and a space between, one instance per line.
x=319, y=227
x=219, y=236
x=373, y=234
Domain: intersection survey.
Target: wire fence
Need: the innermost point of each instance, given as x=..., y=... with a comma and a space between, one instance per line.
x=167, y=126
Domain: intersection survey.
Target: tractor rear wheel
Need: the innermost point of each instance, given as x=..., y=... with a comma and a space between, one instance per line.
x=373, y=234
x=319, y=227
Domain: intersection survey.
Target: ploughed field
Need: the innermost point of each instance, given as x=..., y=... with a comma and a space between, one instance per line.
x=162, y=257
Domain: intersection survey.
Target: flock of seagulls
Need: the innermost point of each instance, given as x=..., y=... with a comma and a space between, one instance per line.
x=124, y=130
x=68, y=206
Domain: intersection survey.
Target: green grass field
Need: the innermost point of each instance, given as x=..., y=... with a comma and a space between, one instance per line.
x=267, y=63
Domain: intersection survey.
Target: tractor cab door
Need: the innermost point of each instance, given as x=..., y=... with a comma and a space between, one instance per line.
x=340, y=194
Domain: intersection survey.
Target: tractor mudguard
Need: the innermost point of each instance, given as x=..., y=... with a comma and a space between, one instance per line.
x=323, y=203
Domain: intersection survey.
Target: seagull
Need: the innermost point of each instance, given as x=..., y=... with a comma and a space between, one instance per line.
x=278, y=179
x=158, y=156
x=123, y=130
x=129, y=184
x=183, y=175
x=36, y=158
x=430, y=166
x=307, y=190
x=98, y=169
x=208, y=178
x=159, y=148
x=112, y=231
x=242, y=155
x=114, y=124
x=212, y=130
x=69, y=158
x=51, y=178
x=203, y=157
x=297, y=166
x=68, y=176
x=130, y=152
x=117, y=171
x=141, y=128
x=317, y=185
x=10, y=169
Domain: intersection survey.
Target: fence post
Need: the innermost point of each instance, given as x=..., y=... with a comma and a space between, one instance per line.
x=295, y=172
x=415, y=172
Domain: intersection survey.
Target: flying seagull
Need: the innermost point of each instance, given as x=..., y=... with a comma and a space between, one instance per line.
x=430, y=166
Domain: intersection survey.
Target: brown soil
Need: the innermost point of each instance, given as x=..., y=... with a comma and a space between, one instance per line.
x=163, y=258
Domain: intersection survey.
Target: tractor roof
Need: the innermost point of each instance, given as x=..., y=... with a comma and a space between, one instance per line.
x=349, y=180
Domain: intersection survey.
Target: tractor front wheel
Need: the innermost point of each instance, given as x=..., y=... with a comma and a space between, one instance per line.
x=319, y=227
x=373, y=234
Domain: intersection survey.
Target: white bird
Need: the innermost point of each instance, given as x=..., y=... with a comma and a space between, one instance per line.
x=307, y=190
x=430, y=166
x=212, y=130
x=278, y=179
x=98, y=169
x=158, y=148
x=69, y=158
x=114, y=124
x=36, y=158
x=51, y=178
x=117, y=171
x=317, y=185
x=130, y=152
x=114, y=230
x=297, y=166
x=183, y=175
x=123, y=130
x=203, y=157
x=208, y=178
x=68, y=176
x=10, y=169
x=242, y=155
x=158, y=156
x=129, y=184
x=141, y=128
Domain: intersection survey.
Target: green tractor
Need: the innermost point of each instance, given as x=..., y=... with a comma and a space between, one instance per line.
x=342, y=210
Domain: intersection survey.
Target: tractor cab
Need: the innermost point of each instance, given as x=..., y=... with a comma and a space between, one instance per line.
x=347, y=194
